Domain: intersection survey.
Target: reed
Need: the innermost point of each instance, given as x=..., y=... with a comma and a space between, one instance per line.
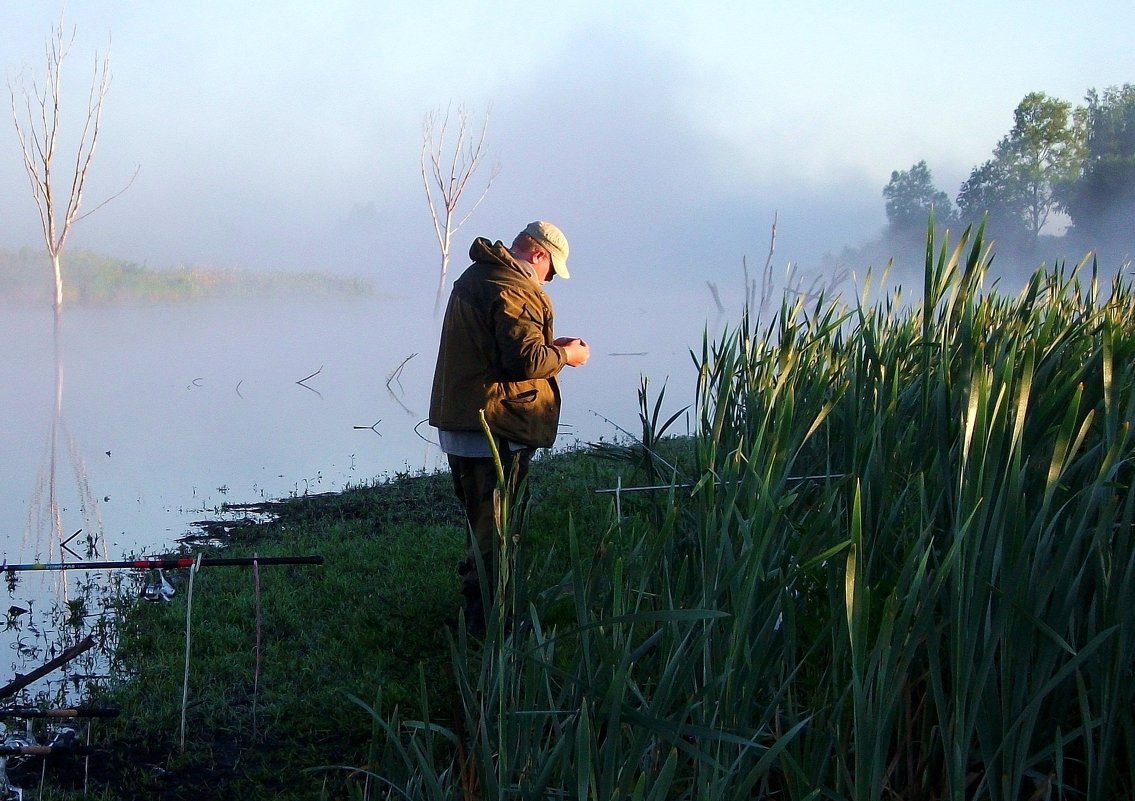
x=939, y=611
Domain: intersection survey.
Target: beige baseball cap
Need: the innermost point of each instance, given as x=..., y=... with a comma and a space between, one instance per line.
x=553, y=240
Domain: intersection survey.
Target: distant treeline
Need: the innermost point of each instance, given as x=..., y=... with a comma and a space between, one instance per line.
x=91, y=279
x=1059, y=163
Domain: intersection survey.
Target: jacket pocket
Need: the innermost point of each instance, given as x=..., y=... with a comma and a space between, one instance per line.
x=525, y=398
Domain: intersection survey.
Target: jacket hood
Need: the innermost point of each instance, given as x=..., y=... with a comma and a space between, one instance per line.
x=486, y=252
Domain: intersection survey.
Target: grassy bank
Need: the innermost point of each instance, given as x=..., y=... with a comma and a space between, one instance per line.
x=373, y=622
x=93, y=279
x=898, y=564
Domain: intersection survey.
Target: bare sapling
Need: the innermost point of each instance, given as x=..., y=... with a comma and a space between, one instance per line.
x=450, y=158
x=37, y=115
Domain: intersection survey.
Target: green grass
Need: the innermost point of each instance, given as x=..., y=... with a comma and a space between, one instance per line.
x=371, y=616
x=901, y=567
x=372, y=622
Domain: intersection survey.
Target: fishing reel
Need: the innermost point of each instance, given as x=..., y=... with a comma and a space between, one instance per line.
x=7, y=791
x=157, y=588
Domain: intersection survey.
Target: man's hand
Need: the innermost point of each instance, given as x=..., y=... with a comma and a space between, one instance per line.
x=576, y=351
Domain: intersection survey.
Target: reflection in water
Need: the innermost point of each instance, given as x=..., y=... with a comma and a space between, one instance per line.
x=394, y=386
x=66, y=651
x=73, y=609
x=180, y=410
x=45, y=513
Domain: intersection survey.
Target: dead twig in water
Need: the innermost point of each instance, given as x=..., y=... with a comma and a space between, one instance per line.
x=395, y=377
x=396, y=373
x=370, y=427
x=63, y=545
x=306, y=378
x=313, y=375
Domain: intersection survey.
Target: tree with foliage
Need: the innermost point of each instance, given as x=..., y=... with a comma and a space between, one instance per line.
x=1041, y=153
x=911, y=196
x=1104, y=192
x=992, y=190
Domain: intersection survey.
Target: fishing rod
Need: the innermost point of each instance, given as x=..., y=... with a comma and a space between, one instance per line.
x=46, y=750
x=658, y=487
x=171, y=563
x=71, y=712
x=13, y=687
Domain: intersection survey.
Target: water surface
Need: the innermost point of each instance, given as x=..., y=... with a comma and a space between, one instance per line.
x=166, y=413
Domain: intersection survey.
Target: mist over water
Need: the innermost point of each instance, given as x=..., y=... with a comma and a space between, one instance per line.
x=173, y=411
x=169, y=412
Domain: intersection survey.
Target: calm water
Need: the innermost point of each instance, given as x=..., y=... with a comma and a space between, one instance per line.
x=167, y=413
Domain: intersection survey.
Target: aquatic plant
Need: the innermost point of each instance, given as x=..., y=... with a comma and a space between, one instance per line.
x=902, y=572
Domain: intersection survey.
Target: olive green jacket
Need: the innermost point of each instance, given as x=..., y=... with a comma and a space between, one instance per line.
x=496, y=352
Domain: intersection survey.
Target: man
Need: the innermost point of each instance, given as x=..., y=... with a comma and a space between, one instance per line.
x=498, y=353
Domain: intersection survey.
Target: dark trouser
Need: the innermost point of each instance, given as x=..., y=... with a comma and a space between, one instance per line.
x=475, y=481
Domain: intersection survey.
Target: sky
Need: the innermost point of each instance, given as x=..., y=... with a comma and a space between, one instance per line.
x=662, y=137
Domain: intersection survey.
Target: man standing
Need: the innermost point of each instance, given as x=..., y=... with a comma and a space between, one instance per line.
x=498, y=353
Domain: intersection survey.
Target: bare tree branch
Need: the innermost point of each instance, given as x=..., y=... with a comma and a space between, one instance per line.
x=37, y=123
x=449, y=161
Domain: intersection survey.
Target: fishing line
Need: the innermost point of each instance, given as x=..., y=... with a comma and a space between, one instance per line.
x=638, y=442
x=423, y=438
x=188, y=641
x=256, y=674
